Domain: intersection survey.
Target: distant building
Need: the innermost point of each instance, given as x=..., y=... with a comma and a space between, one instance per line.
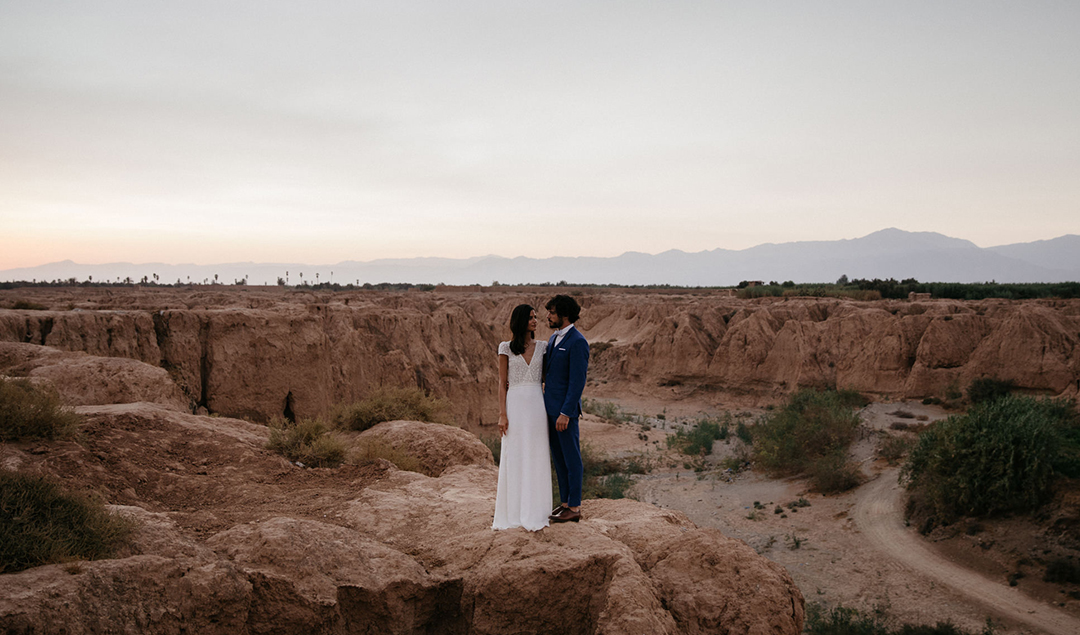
x=755, y=283
x=918, y=297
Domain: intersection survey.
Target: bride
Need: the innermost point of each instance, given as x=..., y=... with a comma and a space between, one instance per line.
x=523, y=498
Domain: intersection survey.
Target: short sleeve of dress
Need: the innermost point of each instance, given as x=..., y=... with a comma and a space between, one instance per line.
x=504, y=348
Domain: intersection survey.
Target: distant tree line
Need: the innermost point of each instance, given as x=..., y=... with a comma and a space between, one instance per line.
x=858, y=288
x=890, y=288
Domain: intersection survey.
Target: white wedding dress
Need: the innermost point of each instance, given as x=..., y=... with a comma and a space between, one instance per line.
x=523, y=498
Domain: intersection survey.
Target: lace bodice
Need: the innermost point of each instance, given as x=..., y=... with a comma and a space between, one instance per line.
x=518, y=372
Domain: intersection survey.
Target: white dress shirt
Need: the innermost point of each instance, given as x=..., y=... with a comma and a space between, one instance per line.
x=561, y=333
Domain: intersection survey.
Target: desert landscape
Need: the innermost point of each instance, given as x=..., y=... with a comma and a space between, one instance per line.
x=176, y=387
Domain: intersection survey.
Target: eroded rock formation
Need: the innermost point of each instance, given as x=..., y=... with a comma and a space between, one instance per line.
x=261, y=353
x=234, y=539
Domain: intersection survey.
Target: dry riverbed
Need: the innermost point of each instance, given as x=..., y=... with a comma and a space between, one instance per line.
x=852, y=549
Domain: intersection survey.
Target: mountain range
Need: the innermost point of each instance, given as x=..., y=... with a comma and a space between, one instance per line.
x=889, y=253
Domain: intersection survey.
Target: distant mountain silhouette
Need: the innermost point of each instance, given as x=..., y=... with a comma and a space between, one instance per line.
x=889, y=253
x=1059, y=253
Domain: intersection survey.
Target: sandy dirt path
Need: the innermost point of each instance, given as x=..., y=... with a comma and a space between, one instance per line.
x=878, y=516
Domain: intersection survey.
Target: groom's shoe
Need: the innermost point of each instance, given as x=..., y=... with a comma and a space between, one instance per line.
x=557, y=510
x=567, y=515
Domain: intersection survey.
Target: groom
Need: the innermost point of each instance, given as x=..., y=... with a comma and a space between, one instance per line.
x=565, y=365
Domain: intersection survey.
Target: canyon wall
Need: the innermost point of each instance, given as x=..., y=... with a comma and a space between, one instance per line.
x=258, y=353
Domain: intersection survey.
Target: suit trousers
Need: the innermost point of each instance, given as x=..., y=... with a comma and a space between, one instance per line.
x=566, y=455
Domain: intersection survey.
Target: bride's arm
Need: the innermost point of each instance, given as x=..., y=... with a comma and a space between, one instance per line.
x=504, y=385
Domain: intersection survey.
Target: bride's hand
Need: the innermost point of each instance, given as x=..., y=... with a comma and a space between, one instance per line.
x=504, y=425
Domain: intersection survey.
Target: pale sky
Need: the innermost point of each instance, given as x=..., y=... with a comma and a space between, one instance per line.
x=318, y=132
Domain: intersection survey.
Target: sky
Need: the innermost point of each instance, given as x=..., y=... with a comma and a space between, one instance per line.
x=325, y=131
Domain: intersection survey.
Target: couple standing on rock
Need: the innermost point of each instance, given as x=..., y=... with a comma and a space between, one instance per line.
x=539, y=425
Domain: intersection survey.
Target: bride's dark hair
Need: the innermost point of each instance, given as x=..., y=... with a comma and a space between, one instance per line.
x=519, y=326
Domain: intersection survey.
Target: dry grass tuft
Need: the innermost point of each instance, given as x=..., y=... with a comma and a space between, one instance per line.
x=390, y=404
x=28, y=411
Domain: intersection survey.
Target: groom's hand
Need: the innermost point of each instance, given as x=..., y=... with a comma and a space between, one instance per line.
x=562, y=422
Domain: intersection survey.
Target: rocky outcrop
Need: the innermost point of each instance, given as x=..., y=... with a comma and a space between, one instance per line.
x=436, y=446
x=896, y=349
x=263, y=353
x=232, y=538
x=89, y=380
x=288, y=359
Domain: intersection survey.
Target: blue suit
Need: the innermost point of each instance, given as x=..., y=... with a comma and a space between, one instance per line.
x=565, y=367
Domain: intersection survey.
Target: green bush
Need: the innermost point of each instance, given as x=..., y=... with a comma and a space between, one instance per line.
x=743, y=432
x=892, y=449
x=493, y=443
x=699, y=439
x=811, y=425
x=999, y=457
x=307, y=441
x=846, y=621
x=834, y=473
x=604, y=477
x=611, y=486
x=988, y=389
x=27, y=411
x=41, y=524
x=852, y=398
x=390, y=404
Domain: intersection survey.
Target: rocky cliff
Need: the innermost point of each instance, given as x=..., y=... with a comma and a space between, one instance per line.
x=234, y=539
x=257, y=353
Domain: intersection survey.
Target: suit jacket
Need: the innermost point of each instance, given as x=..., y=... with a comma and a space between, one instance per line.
x=565, y=367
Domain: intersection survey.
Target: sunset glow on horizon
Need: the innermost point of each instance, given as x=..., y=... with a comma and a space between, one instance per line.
x=268, y=132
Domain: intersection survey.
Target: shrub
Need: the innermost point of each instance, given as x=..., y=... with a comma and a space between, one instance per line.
x=852, y=398
x=371, y=450
x=811, y=425
x=998, y=457
x=603, y=477
x=735, y=463
x=390, y=404
x=27, y=411
x=493, y=443
x=611, y=486
x=846, y=621
x=595, y=464
x=699, y=439
x=24, y=305
x=892, y=449
x=743, y=432
x=307, y=441
x=603, y=409
x=1062, y=570
x=41, y=524
x=840, y=621
x=834, y=473
x=988, y=389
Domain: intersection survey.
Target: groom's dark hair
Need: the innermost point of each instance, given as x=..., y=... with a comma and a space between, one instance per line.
x=564, y=306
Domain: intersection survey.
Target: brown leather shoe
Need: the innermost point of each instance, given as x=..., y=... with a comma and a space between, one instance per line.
x=567, y=515
x=557, y=510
